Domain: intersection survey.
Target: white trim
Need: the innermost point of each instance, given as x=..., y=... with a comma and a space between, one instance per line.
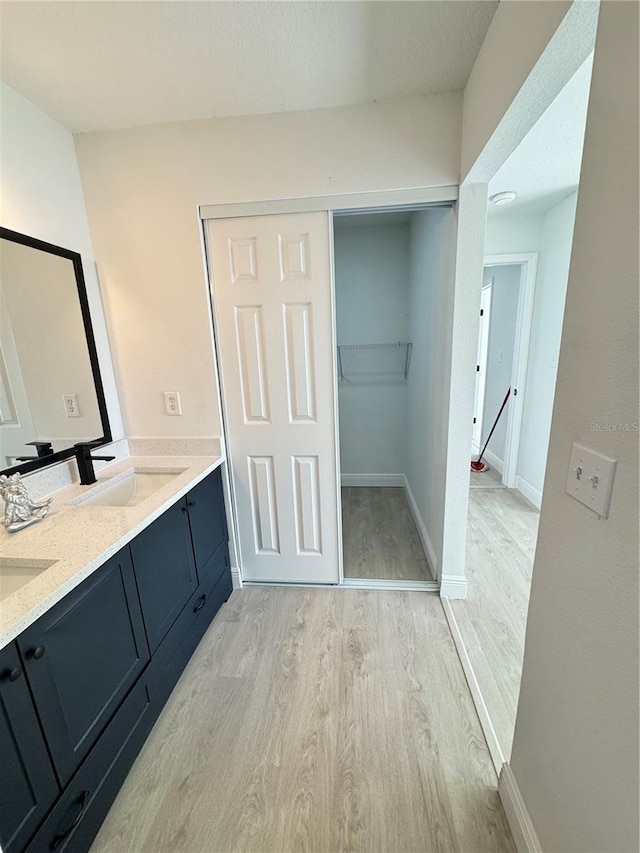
x=453, y=586
x=236, y=579
x=427, y=544
x=486, y=298
x=336, y=412
x=408, y=198
x=527, y=491
x=518, y=817
x=495, y=750
x=493, y=461
x=380, y=480
x=406, y=586
x=529, y=263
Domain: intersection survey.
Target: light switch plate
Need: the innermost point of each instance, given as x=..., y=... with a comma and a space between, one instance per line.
x=590, y=478
x=172, y=404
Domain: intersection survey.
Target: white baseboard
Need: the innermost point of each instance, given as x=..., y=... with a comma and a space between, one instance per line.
x=495, y=750
x=422, y=530
x=453, y=586
x=527, y=490
x=520, y=823
x=493, y=461
x=236, y=579
x=385, y=480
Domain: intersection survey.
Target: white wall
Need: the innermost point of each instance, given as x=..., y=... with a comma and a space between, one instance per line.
x=575, y=750
x=546, y=329
x=432, y=254
x=509, y=233
x=372, y=293
x=42, y=197
x=143, y=186
x=502, y=335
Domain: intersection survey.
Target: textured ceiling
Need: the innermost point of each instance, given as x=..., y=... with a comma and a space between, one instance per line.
x=96, y=65
x=545, y=167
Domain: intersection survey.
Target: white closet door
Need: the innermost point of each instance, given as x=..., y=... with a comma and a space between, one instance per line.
x=271, y=279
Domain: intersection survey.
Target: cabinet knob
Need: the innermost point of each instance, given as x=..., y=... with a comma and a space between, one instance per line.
x=183, y=509
x=38, y=652
x=15, y=673
x=191, y=503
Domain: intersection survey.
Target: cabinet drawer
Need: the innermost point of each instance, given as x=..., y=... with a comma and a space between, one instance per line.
x=80, y=811
x=165, y=570
x=28, y=786
x=82, y=658
x=177, y=647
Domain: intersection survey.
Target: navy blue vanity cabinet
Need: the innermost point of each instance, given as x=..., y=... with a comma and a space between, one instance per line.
x=165, y=570
x=28, y=784
x=208, y=522
x=82, y=657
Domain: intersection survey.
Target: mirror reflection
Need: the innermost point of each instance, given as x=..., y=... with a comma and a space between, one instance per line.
x=48, y=398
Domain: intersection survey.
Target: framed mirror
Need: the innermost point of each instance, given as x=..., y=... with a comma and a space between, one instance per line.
x=51, y=394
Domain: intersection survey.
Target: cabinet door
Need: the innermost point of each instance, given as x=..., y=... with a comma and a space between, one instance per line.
x=165, y=570
x=28, y=785
x=82, y=657
x=207, y=519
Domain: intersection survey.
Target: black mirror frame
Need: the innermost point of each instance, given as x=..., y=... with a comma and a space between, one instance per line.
x=76, y=259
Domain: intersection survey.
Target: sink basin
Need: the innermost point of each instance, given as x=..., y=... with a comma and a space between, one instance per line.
x=16, y=572
x=129, y=488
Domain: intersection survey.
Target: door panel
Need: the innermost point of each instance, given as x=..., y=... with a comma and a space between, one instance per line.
x=82, y=657
x=28, y=786
x=271, y=279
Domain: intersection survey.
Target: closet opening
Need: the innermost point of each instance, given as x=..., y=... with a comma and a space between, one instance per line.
x=392, y=292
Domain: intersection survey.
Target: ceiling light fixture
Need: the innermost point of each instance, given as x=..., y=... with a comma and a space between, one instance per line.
x=501, y=199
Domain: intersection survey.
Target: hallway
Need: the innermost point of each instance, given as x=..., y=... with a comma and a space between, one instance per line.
x=318, y=720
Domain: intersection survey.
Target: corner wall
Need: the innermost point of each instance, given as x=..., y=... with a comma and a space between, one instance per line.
x=42, y=197
x=575, y=750
x=431, y=258
x=143, y=187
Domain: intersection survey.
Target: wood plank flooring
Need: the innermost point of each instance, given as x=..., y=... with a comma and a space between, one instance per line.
x=501, y=539
x=379, y=536
x=325, y=721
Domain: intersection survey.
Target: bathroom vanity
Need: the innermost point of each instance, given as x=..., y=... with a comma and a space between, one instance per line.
x=92, y=645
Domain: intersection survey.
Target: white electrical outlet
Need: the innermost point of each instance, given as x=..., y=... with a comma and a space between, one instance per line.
x=172, y=403
x=71, y=408
x=590, y=478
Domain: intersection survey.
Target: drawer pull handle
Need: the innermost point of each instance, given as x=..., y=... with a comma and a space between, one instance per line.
x=38, y=652
x=201, y=603
x=80, y=803
x=15, y=673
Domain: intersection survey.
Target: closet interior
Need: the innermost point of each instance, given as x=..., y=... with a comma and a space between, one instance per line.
x=391, y=288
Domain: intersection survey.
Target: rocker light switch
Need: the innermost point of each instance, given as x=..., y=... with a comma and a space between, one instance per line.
x=590, y=478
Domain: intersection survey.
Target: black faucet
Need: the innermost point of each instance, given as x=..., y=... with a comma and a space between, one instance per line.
x=85, y=461
x=43, y=448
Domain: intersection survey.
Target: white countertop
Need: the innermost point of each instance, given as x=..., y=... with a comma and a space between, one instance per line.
x=81, y=538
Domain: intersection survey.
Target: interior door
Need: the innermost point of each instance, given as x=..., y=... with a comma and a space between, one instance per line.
x=271, y=278
x=481, y=364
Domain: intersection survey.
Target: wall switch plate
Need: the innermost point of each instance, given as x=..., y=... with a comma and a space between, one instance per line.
x=172, y=403
x=71, y=408
x=590, y=478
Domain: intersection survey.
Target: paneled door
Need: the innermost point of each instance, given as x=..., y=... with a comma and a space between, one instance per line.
x=271, y=278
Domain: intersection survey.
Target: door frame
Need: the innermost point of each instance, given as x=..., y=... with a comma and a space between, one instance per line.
x=359, y=202
x=483, y=354
x=528, y=263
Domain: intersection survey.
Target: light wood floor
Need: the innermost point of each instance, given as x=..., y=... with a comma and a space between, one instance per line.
x=379, y=536
x=325, y=721
x=501, y=539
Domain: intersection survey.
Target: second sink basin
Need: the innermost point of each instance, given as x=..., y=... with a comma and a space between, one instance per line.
x=129, y=488
x=16, y=572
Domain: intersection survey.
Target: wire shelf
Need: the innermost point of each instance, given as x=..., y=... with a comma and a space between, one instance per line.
x=374, y=362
